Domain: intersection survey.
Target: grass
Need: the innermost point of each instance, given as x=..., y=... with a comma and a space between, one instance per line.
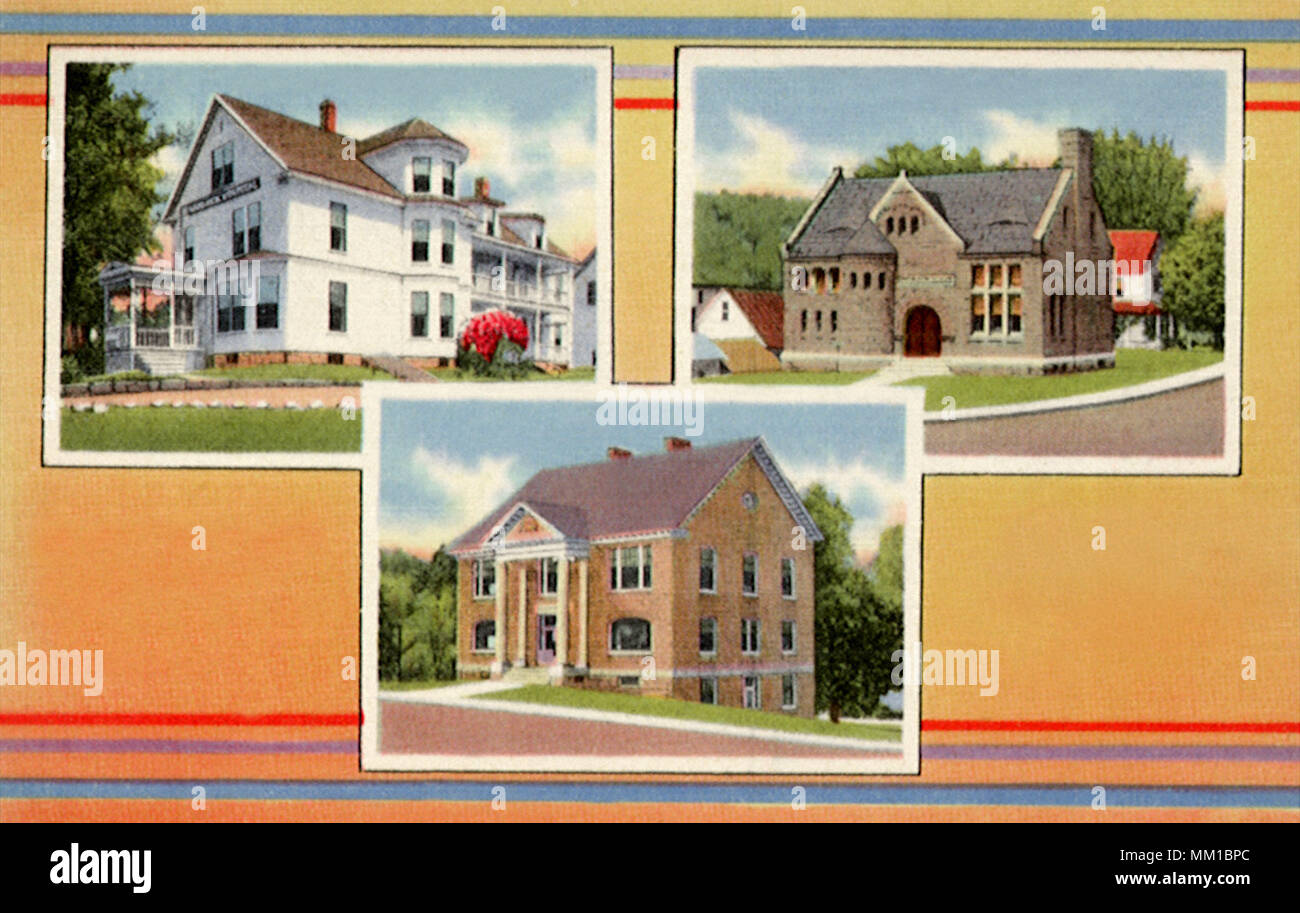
x=419, y=685
x=456, y=375
x=216, y=430
x=829, y=378
x=120, y=375
x=336, y=374
x=1132, y=366
x=673, y=708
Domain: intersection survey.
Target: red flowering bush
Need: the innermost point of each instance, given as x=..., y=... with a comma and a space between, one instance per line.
x=484, y=333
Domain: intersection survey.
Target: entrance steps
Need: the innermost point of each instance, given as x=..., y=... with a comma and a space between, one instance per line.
x=399, y=369
x=528, y=675
x=908, y=368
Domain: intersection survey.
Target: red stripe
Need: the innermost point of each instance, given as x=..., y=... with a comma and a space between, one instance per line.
x=1089, y=726
x=1273, y=106
x=645, y=103
x=179, y=719
x=33, y=100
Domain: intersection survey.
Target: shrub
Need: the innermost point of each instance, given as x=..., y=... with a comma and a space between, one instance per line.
x=70, y=370
x=493, y=344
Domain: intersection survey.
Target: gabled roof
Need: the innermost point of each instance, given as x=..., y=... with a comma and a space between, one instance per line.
x=415, y=128
x=1134, y=245
x=510, y=237
x=992, y=212
x=640, y=495
x=765, y=312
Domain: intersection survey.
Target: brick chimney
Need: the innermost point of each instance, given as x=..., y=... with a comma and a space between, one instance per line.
x=676, y=444
x=482, y=189
x=329, y=116
x=1075, y=146
x=618, y=453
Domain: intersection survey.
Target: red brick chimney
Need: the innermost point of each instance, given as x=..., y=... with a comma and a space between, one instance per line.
x=329, y=115
x=676, y=444
x=482, y=189
x=618, y=453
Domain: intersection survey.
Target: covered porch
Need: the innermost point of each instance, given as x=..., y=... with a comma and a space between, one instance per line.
x=147, y=328
x=535, y=625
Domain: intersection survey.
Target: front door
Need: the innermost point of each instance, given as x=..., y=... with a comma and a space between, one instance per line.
x=753, y=698
x=545, y=639
x=922, y=336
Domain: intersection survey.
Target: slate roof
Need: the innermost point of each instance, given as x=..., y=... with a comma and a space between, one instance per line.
x=766, y=314
x=992, y=212
x=638, y=495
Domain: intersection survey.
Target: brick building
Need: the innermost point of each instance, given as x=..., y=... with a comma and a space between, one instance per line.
x=950, y=267
x=673, y=574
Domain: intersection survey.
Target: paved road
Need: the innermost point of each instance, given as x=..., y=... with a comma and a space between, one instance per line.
x=410, y=728
x=1183, y=422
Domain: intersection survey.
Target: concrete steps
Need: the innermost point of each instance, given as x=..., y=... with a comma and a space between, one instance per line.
x=908, y=368
x=399, y=369
x=528, y=675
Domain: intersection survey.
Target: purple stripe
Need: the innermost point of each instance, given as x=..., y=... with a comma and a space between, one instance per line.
x=1271, y=753
x=22, y=67
x=632, y=71
x=174, y=746
x=1271, y=75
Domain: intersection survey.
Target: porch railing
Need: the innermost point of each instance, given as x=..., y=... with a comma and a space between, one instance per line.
x=149, y=337
x=519, y=291
x=118, y=337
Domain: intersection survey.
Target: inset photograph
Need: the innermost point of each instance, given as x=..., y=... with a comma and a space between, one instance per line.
x=658, y=579
x=1047, y=242
x=240, y=236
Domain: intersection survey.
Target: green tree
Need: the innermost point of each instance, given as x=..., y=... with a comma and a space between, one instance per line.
x=738, y=238
x=109, y=189
x=417, y=617
x=1191, y=275
x=887, y=571
x=1141, y=184
x=917, y=161
x=857, y=631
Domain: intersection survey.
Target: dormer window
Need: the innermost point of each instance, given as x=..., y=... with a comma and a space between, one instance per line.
x=448, y=178
x=223, y=165
x=421, y=174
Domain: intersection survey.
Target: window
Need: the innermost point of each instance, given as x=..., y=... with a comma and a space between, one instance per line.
x=419, y=313
x=339, y=307
x=629, y=568
x=485, y=636
x=223, y=165
x=726, y=311
x=230, y=313
x=881, y=280
x=818, y=318
x=902, y=225
x=629, y=635
x=448, y=178
x=835, y=278
x=853, y=280
x=835, y=321
x=803, y=321
x=485, y=579
x=447, y=314
x=787, y=691
x=548, y=576
x=753, y=693
x=237, y=230
x=889, y=225
x=787, y=578
x=254, y=226
x=338, y=227
x=995, y=301
x=708, y=691
x=591, y=294
x=787, y=636
x=915, y=222
x=750, y=639
x=420, y=241
x=421, y=173
x=268, y=302
x=708, y=570
x=189, y=244
x=708, y=636
x=448, y=241
x=749, y=574
x=749, y=500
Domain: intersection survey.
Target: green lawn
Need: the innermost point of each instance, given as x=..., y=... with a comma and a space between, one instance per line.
x=420, y=685
x=1132, y=366
x=456, y=375
x=335, y=374
x=689, y=710
x=248, y=430
x=830, y=378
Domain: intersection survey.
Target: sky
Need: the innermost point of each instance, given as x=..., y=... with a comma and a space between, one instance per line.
x=530, y=129
x=781, y=130
x=435, y=485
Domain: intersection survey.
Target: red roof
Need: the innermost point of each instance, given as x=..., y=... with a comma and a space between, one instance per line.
x=1134, y=245
x=766, y=313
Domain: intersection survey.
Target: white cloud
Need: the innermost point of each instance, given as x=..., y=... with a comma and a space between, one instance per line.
x=1209, y=179
x=767, y=158
x=1032, y=142
x=468, y=491
x=850, y=482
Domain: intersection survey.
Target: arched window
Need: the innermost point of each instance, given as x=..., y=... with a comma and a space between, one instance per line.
x=485, y=636
x=803, y=321
x=889, y=225
x=835, y=321
x=915, y=222
x=881, y=279
x=629, y=635
x=853, y=280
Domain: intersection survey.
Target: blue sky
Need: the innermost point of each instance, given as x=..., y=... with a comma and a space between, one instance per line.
x=530, y=129
x=780, y=130
x=445, y=464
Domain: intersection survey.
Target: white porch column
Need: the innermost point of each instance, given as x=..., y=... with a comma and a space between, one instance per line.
x=522, y=634
x=562, y=616
x=583, y=566
x=499, y=660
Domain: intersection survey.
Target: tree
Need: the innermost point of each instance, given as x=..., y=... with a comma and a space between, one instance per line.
x=1140, y=184
x=417, y=617
x=887, y=572
x=857, y=632
x=1192, y=278
x=738, y=238
x=917, y=161
x=109, y=190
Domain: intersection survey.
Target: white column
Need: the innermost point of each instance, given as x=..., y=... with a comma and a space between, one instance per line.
x=562, y=616
x=582, y=612
x=521, y=658
x=499, y=661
